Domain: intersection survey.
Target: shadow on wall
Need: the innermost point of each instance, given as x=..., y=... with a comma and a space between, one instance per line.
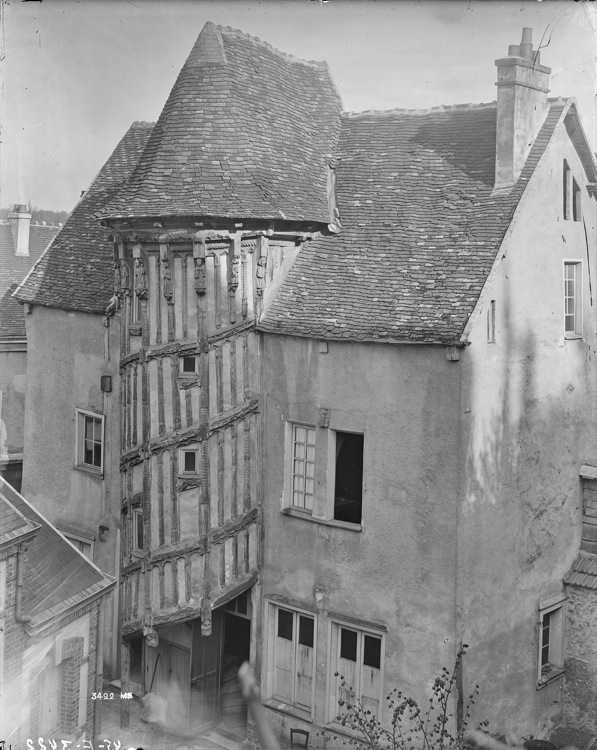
x=519, y=520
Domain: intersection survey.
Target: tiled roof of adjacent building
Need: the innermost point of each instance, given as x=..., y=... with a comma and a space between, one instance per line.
x=246, y=132
x=13, y=269
x=76, y=272
x=57, y=576
x=420, y=228
x=583, y=571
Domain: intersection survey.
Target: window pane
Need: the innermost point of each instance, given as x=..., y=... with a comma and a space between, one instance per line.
x=188, y=364
x=88, y=453
x=348, y=644
x=299, y=483
x=306, y=629
x=299, y=450
x=311, y=436
x=97, y=429
x=189, y=461
x=88, y=428
x=311, y=453
x=348, y=491
x=372, y=652
x=97, y=455
x=299, y=467
x=298, y=499
x=299, y=434
x=309, y=486
x=139, y=521
x=309, y=469
x=285, y=619
x=569, y=327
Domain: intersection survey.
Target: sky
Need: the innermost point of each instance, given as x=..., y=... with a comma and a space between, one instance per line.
x=76, y=74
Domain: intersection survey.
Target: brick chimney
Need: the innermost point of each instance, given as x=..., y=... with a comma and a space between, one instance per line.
x=20, y=221
x=521, y=108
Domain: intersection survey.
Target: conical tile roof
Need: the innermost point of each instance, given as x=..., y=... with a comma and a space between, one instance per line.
x=247, y=132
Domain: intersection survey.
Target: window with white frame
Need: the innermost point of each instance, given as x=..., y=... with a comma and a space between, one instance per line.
x=303, y=466
x=138, y=529
x=551, y=638
x=356, y=670
x=188, y=460
x=573, y=298
x=90, y=441
x=291, y=656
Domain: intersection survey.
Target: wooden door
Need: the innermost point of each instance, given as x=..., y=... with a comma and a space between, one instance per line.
x=49, y=722
x=206, y=661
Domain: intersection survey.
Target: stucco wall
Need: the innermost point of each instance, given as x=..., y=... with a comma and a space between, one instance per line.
x=12, y=388
x=528, y=410
x=399, y=570
x=580, y=690
x=67, y=354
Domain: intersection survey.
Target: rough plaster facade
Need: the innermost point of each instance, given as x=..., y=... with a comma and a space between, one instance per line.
x=68, y=353
x=528, y=423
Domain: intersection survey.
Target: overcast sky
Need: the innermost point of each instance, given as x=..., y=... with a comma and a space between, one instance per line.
x=75, y=75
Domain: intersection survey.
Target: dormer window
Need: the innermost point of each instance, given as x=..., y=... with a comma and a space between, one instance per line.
x=566, y=190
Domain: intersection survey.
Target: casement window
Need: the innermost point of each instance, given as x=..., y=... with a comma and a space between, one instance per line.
x=303, y=466
x=566, y=190
x=356, y=670
x=573, y=298
x=83, y=544
x=291, y=656
x=137, y=530
x=188, y=365
x=576, y=201
x=348, y=480
x=551, y=638
x=90, y=441
x=491, y=322
x=188, y=461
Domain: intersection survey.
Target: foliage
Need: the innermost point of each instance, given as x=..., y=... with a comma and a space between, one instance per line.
x=39, y=214
x=412, y=727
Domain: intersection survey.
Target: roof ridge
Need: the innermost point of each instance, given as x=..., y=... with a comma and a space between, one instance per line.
x=420, y=111
x=231, y=31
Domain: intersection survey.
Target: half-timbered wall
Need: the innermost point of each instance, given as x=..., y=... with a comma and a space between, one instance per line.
x=190, y=299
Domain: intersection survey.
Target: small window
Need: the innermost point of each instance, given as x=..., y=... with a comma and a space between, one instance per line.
x=551, y=640
x=303, y=466
x=83, y=544
x=240, y=606
x=291, y=656
x=566, y=188
x=138, y=530
x=576, y=207
x=189, y=461
x=356, y=670
x=90, y=441
x=572, y=299
x=491, y=322
x=188, y=365
x=348, y=487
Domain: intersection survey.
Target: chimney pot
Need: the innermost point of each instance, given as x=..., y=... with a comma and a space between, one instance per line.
x=513, y=50
x=20, y=221
x=527, y=35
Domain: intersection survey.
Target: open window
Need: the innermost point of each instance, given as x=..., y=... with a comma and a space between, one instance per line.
x=90, y=441
x=576, y=201
x=348, y=481
x=551, y=639
x=138, y=530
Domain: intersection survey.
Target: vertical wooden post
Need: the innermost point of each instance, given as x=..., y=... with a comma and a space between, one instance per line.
x=125, y=682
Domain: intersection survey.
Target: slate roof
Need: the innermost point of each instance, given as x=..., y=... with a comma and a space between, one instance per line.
x=13, y=270
x=76, y=271
x=246, y=133
x=420, y=228
x=57, y=576
x=583, y=571
x=13, y=525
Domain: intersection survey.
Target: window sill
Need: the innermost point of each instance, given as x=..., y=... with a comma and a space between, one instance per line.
x=322, y=521
x=572, y=336
x=554, y=674
x=90, y=470
x=285, y=708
